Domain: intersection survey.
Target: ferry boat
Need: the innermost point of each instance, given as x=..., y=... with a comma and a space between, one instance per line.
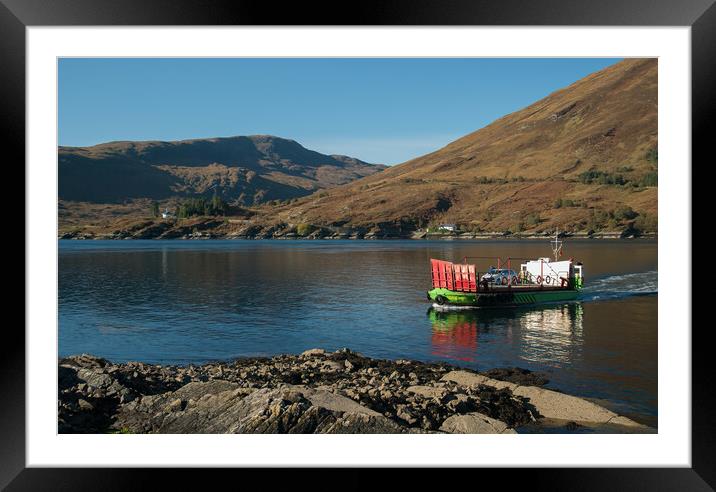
x=538, y=281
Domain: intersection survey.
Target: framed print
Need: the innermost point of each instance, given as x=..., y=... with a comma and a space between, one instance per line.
x=250, y=229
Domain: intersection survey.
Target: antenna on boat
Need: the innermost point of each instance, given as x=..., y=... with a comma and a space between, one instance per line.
x=557, y=248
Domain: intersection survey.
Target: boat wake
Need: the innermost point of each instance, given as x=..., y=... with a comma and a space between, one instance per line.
x=620, y=286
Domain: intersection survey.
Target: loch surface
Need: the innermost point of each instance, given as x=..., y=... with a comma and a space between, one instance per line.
x=181, y=302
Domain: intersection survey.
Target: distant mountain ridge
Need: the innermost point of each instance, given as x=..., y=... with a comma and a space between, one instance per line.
x=244, y=169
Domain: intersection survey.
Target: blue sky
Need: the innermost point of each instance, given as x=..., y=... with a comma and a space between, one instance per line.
x=380, y=110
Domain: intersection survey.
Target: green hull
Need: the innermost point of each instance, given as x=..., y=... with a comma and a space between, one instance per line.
x=503, y=297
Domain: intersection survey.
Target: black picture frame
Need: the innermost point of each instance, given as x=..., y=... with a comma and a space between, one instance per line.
x=700, y=15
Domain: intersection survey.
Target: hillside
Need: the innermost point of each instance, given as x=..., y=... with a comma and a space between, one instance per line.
x=584, y=157
x=243, y=170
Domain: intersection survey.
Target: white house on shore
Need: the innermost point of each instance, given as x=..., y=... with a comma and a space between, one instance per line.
x=168, y=215
x=448, y=227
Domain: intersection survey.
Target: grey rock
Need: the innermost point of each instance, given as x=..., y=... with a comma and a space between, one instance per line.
x=404, y=413
x=428, y=391
x=313, y=352
x=331, y=366
x=551, y=404
x=334, y=402
x=466, y=378
x=358, y=423
x=95, y=379
x=85, y=405
x=474, y=423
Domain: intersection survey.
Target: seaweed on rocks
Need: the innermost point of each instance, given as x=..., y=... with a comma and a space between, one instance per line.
x=502, y=405
x=523, y=377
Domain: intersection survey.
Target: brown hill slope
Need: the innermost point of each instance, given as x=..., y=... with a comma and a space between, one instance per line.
x=244, y=170
x=582, y=158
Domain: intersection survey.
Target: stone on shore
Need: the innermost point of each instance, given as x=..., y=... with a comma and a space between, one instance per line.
x=428, y=391
x=336, y=403
x=554, y=405
x=312, y=352
x=475, y=423
x=465, y=378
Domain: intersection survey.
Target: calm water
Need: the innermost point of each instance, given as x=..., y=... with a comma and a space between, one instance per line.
x=193, y=301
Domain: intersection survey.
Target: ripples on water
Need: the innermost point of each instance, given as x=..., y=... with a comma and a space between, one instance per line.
x=193, y=301
x=621, y=286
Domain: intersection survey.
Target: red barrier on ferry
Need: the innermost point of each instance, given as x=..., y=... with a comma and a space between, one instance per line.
x=457, y=277
x=473, y=278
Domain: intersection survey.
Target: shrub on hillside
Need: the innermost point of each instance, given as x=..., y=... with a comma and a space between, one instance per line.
x=202, y=206
x=650, y=179
x=565, y=202
x=624, y=212
x=646, y=223
x=304, y=229
x=532, y=220
x=601, y=177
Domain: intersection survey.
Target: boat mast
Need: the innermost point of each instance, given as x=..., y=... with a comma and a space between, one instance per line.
x=557, y=248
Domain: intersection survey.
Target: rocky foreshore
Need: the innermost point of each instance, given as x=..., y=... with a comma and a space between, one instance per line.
x=227, y=228
x=317, y=392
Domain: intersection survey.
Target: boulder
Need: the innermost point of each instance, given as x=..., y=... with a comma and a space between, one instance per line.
x=84, y=360
x=85, y=405
x=95, y=379
x=312, y=352
x=474, y=423
x=331, y=366
x=466, y=378
x=624, y=421
x=334, y=402
x=428, y=391
x=554, y=405
x=359, y=423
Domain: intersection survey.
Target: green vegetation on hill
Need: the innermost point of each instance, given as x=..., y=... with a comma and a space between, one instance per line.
x=601, y=177
x=566, y=202
x=622, y=217
x=304, y=229
x=606, y=178
x=201, y=206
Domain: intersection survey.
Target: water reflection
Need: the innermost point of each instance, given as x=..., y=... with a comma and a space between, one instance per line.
x=545, y=334
x=553, y=334
x=454, y=335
